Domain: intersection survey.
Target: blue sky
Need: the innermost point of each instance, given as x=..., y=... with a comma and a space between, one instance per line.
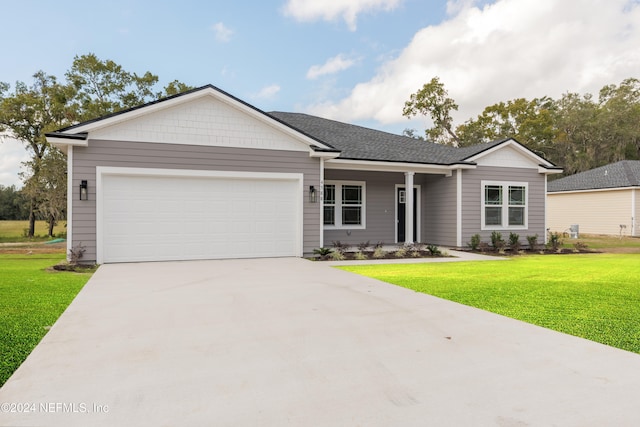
x=351, y=60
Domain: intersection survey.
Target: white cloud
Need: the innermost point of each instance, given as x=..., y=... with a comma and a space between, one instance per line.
x=329, y=10
x=12, y=154
x=267, y=92
x=332, y=66
x=502, y=51
x=222, y=32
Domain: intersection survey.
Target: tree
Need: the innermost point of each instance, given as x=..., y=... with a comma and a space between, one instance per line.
x=432, y=100
x=12, y=204
x=48, y=186
x=103, y=87
x=529, y=122
x=27, y=114
x=94, y=88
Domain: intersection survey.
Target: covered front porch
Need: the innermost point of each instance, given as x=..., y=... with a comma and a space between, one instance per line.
x=371, y=203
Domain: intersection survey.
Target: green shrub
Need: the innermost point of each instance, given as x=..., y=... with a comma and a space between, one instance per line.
x=474, y=244
x=323, y=253
x=433, y=250
x=497, y=241
x=514, y=242
x=555, y=241
x=533, y=242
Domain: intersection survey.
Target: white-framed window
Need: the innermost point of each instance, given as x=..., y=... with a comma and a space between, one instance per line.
x=344, y=204
x=504, y=205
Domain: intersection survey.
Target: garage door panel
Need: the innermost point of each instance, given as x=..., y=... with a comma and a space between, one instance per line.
x=147, y=218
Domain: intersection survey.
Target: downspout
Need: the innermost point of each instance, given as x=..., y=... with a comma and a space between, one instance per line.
x=321, y=204
x=545, y=208
x=459, y=208
x=69, y=200
x=633, y=212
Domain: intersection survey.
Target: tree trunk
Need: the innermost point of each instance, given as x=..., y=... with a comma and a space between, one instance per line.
x=32, y=221
x=52, y=223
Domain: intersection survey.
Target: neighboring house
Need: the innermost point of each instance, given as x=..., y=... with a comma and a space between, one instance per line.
x=204, y=175
x=604, y=200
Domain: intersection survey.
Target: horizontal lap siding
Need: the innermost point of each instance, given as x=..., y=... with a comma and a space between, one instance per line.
x=184, y=157
x=472, y=201
x=439, y=210
x=380, y=207
x=596, y=212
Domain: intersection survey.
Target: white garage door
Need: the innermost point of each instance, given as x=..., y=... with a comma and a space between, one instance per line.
x=158, y=218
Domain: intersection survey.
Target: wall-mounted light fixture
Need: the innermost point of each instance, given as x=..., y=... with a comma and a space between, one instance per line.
x=84, y=195
x=313, y=195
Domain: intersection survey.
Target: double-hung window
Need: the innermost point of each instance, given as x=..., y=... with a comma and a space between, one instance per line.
x=504, y=205
x=344, y=204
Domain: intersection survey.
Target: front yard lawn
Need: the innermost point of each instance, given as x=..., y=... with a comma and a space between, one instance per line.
x=31, y=300
x=595, y=296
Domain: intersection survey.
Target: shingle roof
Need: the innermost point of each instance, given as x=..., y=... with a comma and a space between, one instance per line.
x=625, y=173
x=360, y=143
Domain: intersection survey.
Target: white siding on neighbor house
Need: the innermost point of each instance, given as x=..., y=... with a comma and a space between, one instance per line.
x=204, y=121
x=596, y=212
x=184, y=157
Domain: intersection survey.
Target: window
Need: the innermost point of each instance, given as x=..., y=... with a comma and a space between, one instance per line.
x=504, y=205
x=343, y=204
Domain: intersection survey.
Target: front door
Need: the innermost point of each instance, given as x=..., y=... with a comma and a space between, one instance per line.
x=400, y=199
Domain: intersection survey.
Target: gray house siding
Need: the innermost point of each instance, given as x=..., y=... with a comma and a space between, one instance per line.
x=379, y=210
x=439, y=216
x=186, y=157
x=472, y=201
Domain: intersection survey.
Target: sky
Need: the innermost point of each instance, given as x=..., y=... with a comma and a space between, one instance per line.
x=355, y=61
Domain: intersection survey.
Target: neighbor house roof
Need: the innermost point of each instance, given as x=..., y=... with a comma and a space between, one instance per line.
x=625, y=173
x=360, y=143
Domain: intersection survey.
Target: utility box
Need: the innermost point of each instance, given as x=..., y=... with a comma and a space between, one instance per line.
x=574, y=231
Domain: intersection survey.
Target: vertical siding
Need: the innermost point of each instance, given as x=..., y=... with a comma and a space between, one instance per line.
x=439, y=209
x=380, y=207
x=186, y=157
x=472, y=201
x=596, y=212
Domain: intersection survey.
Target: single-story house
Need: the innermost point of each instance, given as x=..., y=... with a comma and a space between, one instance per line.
x=204, y=175
x=604, y=200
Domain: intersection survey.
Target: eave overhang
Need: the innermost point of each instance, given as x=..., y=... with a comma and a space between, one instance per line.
x=384, y=166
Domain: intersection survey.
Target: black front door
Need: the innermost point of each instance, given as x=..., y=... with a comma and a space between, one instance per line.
x=400, y=197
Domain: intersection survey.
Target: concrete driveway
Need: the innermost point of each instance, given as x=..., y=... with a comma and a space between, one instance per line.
x=273, y=342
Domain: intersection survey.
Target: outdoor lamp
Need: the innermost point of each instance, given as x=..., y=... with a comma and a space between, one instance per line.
x=313, y=197
x=83, y=190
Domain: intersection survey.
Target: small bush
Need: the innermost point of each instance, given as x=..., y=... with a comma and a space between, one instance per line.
x=514, y=242
x=401, y=252
x=533, y=242
x=378, y=252
x=359, y=256
x=474, y=244
x=362, y=247
x=433, y=250
x=555, y=242
x=76, y=253
x=483, y=246
x=323, y=253
x=337, y=256
x=340, y=247
x=497, y=241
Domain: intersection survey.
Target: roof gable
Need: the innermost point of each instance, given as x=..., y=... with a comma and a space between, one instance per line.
x=625, y=173
x=203, y=116
x=506, y=152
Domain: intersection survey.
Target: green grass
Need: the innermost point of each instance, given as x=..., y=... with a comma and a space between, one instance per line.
x=15, y=231
x=595, y=296
x=31, y=300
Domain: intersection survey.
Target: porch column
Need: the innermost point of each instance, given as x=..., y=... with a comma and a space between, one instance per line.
x=408, y=207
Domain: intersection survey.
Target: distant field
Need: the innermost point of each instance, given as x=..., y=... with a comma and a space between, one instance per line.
x=15, y=231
